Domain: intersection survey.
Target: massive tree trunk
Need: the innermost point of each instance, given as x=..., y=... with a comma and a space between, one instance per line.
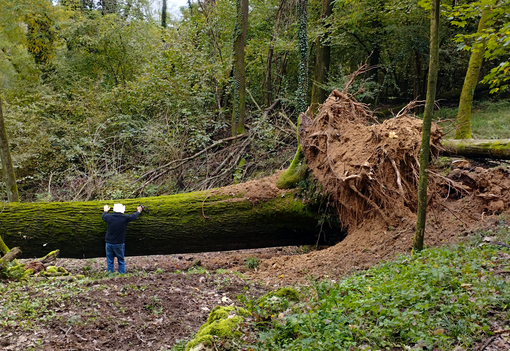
x=427, y=122
x=481, y=148
x=468, y=89
x=239, y=106
x=194, y=222
x=7, y=167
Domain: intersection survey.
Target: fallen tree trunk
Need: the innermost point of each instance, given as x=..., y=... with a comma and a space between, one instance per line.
x=184, y=223
x=8, y=257
x=481, y=148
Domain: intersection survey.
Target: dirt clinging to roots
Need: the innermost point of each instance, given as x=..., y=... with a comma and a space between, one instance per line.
x=370, y=170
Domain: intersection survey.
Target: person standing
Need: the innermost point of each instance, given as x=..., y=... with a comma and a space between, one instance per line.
x=116, y=234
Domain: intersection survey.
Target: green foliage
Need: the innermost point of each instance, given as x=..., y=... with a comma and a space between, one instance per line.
x=496, y=36
x=222, y=324
x=489, y=120
x=438, y=298
x=252, y=262
x=270, y=306
x=27, y=303
x=99, y=96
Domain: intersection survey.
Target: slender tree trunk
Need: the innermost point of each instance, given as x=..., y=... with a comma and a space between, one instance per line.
x=298, y=168
x=239, y=106
x=303, y=55
x=427, y=121
x=322, y=60
x=268, y=80
x=468, y=89
x=7, y=167
x=163, y=14
x=267, y=86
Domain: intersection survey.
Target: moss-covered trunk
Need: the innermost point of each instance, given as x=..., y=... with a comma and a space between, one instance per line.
x=481, y=148
x=195, y=222
x=239, y=68
x=468, y=89
x=297, y=169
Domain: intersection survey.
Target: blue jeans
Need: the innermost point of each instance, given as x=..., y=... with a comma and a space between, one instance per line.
x=112, y=251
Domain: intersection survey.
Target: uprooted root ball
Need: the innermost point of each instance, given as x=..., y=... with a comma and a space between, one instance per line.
x=370, y=170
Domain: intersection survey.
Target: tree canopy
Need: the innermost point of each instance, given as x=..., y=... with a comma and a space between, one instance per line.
x=99, y=95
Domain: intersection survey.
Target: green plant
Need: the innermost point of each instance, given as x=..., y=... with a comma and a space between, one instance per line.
x=438, y=298
x=252, y=262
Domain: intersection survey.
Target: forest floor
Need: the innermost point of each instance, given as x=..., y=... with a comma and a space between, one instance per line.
x=166, y=298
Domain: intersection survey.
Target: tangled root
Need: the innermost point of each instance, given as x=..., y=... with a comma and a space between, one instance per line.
x=370, y=170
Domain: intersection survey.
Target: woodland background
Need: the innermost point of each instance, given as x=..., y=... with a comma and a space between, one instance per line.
x=110, y=99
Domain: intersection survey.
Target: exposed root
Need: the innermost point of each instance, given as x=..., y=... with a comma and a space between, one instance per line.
x=370, y=170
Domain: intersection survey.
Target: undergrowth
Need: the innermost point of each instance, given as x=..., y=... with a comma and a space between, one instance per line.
x=489, y=120
x=438, y=298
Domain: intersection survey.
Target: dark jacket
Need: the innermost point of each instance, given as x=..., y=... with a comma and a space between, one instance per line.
x=116, y=226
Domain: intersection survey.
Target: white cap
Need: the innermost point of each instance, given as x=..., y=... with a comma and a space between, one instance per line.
x=119, y=208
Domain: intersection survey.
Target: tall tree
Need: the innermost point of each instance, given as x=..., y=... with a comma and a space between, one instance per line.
x=5, y=155
x=109, y=6
x=298, y=168
x=267, y=86
x=427, y=122
x=303, y=55
x=163, y=14
x=322, y=58
x=468, y=89
x=239, y=106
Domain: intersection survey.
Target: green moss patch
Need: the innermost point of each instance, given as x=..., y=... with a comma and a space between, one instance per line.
x=222, y=324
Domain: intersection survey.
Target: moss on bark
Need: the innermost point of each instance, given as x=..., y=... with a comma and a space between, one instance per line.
x=468, y=89
x=295, y=173
x=480, y=148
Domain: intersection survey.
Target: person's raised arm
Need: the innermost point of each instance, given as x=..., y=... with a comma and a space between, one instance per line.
x=135, y=215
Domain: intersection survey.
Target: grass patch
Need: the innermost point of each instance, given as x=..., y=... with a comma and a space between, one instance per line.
x=439, y=298
x=29, y=303
x=489, y=120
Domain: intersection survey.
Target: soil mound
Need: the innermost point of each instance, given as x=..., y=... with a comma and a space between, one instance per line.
x=371, y=171
x=371, y=174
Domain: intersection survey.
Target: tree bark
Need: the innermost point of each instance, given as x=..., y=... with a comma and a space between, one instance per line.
x=239, y=106
x=298, y=168
x=468, y=89
x=163, y=14
x=267, y=86
x=11, y=255
x=303, y=55
x=184, y=223
x=322, y=60
x=480, y=148
x=427, y=121
x=5, y=155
